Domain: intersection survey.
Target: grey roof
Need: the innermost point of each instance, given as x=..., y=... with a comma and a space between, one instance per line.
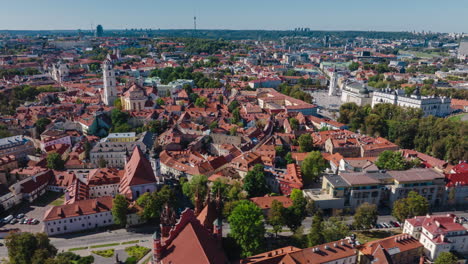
x=12, y=141
x=336, y=180
x=416, y=175
x=117, y=146
x=463, y=49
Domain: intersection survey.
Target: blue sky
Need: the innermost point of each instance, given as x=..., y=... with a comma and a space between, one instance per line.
x=386, y=15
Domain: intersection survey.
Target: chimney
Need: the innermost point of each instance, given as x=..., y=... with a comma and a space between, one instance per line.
x=157, y=247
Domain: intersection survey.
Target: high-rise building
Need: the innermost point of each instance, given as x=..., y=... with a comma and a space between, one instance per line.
x=109, y=93
x=333, y=83
x=99, y=31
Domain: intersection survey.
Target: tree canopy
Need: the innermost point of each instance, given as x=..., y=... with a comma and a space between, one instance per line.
x=365, y=216
x=446, y=258
x=439, y=137
x=391, y=160
x=54, y=161
x=413, y=205
x=305, y=143
x=247, y=228
x=255, y=183
x=119, y=210
x=312, y=166
x=198, y=185
x=28, y=248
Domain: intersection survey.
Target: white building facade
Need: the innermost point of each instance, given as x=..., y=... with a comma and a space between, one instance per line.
x=430, y=105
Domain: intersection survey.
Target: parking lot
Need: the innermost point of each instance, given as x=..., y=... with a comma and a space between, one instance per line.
x=35, y=210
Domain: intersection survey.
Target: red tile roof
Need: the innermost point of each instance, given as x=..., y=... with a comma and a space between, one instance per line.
x=190, y=242
x=137, y=171
x=266, y=201
x=79, y=208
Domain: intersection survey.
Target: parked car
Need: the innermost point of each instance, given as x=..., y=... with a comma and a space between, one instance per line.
x=29, y=221
x=20, y=216
x=1, y=245
x=23, y=221
x=7, y=219
x=35, y=222
x=13, y=221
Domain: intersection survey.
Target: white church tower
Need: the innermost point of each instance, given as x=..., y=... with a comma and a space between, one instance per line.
x=333, y=83
x=110, y=82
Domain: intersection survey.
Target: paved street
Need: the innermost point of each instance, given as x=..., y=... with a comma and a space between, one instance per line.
x=144, y=233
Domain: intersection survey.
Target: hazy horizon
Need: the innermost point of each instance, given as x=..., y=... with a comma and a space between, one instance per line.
x=334, y=15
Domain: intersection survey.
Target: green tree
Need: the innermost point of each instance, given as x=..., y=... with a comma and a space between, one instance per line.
x=160, y=101
x=28, y=248
x=54, y=161
x=289, y=159
x=365, y=216
x=233, y=131
x=119, y=210
x=276, y=216
x=236, y=192
x=247, y=228
x=198, y=185
x=153, y=203
x=305, y=143
x=315, y=236
x=294, y=123
x=233, y=105
x=102, y=163
x=41, y=124
x=201, y=102
x=334, y=229
x=147, y=201
x=375, y=125
x=221, y=99
x=413, y=205
x=235, y=116
x=118, y=104
x=213, y=125
x=446, y=258
x=353, y=66
x=391, y=160
x=295, y=214
x=312, y=166
x=255, y=183
x=119, y=117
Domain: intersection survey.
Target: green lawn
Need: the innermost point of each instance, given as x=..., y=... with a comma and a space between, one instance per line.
x=366, y=236
x=50, y=198
x=107, y=253
x=130, y=242
x=457, y=117
x=137, y=251
x=105, y=245
x=58, y=201
x=77, y=248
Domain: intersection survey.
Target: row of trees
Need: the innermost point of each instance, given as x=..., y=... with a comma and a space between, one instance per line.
x=13, y=98
x=28, y=248
x=440, y=137
x=414, y=204
x=295, y=92
x=8, y=73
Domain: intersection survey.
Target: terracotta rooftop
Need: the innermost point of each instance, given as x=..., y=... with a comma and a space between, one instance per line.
x=79, y=208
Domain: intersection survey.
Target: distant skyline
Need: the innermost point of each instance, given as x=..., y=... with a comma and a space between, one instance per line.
x=377, y=15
